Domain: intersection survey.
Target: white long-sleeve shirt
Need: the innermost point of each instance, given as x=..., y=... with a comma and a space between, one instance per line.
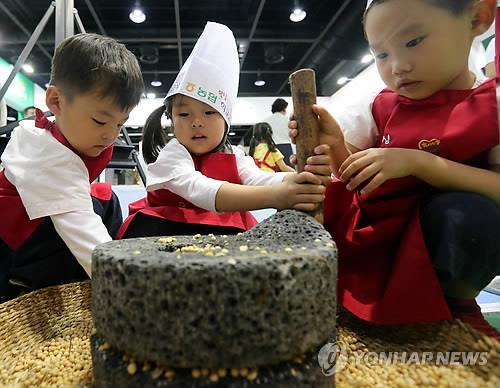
x=174, y=170
x=53, y=181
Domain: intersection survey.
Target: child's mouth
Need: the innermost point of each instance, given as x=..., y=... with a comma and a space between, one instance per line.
x=408, y=86
x=197, y=138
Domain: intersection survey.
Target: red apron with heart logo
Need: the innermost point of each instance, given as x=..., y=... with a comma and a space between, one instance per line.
x=385, y=272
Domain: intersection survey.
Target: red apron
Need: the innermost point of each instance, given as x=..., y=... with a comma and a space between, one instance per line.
x=16, y=227
x=169, y=206
x=385, y=273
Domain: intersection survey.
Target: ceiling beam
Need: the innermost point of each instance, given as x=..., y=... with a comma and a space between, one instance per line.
x=49, y=42
x=148, y=72
x=24, y=29
x=334, y=18
x=252, y=31
x=22, y=7
x=96, y=18
x=178, y=31
x=336, y=68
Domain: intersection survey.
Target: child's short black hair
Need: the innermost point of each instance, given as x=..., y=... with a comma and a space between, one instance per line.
x=456, y=7
x=89, y=62
x=279, y=105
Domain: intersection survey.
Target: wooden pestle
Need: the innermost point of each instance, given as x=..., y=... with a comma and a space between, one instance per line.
x=303, y=88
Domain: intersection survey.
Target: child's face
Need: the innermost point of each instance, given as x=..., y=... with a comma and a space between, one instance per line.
x=90, y=123
x=198, y=126
x=419, y=48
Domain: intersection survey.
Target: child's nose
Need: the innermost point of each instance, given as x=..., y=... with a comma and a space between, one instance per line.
x=111, y=134
x=400, y=66
x=197, y=122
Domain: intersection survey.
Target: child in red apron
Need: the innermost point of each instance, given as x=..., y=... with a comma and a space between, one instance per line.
x=198, y=182
x=414, y=209
x=52, y=217
x=264, y=151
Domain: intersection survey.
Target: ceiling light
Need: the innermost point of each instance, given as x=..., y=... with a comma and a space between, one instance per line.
x=367, y=58
x=151, y=95
x=259, y=81
x=274, y=54
x=149, y=54
x=28, y=68
x=232, y=133
x=297, y=15
x=170, y=134
x=343, y=80
x=156, y=83
x=137, y=15
x=10, y=118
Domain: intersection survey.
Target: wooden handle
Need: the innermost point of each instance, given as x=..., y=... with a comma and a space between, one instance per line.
x=303, y=88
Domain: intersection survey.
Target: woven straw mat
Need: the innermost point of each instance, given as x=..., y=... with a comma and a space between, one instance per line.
x=44, y=341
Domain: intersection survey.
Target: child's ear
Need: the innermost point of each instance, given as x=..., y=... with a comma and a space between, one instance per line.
x=483, y=15
x=53, y=97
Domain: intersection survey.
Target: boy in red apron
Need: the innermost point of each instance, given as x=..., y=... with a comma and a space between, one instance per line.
x=414, y=211
x=52, y=217
x=198, y=182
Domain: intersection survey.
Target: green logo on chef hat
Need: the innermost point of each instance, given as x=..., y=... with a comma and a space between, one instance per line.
x=192, y=88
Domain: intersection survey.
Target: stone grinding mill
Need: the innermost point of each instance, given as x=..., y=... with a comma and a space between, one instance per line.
x=231, y=311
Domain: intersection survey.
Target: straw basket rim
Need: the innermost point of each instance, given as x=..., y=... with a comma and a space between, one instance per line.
x=36, y=321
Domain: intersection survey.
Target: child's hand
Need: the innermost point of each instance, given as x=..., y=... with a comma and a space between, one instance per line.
x=320, y=164
x=330, y=134
x=299, y=191
x=374, y=166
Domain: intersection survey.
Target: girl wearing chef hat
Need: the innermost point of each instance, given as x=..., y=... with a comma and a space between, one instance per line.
x=198, y=182
x=415, y=209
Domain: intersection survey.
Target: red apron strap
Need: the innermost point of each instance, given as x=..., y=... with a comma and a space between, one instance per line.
x=101, y=191
x=263, y=162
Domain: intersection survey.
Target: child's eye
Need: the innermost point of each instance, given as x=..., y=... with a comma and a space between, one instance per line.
x=98, y=122
x=381, y=56
x=415, y=42
x=210, y=112
x=183, y=114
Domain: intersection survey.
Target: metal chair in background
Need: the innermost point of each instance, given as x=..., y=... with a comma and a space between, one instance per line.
x=126, y=157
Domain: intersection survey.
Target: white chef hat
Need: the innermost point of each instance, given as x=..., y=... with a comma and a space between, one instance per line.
x=211, y=73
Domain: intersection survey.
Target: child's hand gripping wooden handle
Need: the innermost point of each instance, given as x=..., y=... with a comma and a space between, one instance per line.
x=303, y=88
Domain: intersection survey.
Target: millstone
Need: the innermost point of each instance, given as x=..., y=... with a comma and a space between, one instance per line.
x=112, y=370
x=258, y=298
